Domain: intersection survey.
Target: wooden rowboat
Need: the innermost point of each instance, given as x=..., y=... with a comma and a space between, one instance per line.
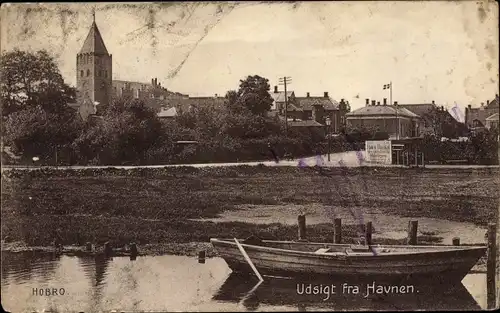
x=294, y=259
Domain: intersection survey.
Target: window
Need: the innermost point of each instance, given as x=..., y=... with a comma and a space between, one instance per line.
x=81, y=73
x=106, y=74
x=88, y=73
x=99, y=73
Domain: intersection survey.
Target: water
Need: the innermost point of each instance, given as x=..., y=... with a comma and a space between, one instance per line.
x=179, y=283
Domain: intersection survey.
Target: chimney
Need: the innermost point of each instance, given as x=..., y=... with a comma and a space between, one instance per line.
x=152, y=82
x=373, y=102
x=470, y=106
x=378, y=102
x=487, y=102
x=367, y=102
x=159, y=85
x=156, y=81
x=395, y=103
x=482, y=104
x=385, y=101
x=216, y=95
x=326, y=94
x=433, y=102
x=442, y=107
x=275, y=89
x=307, y=94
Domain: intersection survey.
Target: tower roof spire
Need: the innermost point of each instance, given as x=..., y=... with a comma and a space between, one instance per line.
x=94, y=43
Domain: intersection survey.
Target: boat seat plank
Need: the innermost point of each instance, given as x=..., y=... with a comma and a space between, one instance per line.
x=322, y=250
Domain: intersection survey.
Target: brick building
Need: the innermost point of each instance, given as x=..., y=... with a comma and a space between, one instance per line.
x=154, y=95
x=484, y=116
x=436, y=120
x=309, y=111
x=393, y=119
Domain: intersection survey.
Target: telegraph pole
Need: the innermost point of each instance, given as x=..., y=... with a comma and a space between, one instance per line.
x=284, y=81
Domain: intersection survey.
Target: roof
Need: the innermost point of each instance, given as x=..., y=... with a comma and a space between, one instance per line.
x=308, y=103
x=386, y=110
x=185, y=104
x=94, y=43
x=493, y=103
x=280, y=95
x=493, y=117
x=480, y=114
x=306, y=123
x=167, y=112
x=207, y=101
x=419, y=109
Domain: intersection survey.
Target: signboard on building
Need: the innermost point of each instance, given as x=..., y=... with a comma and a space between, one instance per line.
x=378, y=152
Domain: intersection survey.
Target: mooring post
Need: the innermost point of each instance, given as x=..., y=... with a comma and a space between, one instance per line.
x=491, y=267
x=302, y=227
x=337, y=230
x=88, y=246
x=368, y=233
x=108, y=251
x=412, y=233
x=456, y=241
x=201, y=257
x=133, y=249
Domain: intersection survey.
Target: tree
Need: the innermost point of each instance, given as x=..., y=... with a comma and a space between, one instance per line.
x=126, y=132
x=38, y=120
x=253, y=95
x=36, y=132
x=32, y=79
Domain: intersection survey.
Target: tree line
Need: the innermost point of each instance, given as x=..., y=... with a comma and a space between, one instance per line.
x=38, y=122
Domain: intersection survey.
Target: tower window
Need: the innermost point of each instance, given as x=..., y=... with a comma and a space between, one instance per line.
x=81, y=73
x=88, y=73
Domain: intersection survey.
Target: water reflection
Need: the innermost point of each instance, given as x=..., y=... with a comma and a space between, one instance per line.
x=178, y=283
x=25, y=266
x=289, y=292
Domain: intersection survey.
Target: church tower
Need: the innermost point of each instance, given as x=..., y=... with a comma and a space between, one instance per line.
x=94, y=73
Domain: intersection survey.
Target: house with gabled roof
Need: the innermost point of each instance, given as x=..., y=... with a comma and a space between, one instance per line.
x=476, y=118
x=492, y=122
x=436, y=120
x=309, y=111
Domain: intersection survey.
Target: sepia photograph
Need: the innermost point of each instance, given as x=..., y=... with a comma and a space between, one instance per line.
x=250, y=156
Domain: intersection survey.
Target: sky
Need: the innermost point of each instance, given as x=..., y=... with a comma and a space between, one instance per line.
x=441, y=51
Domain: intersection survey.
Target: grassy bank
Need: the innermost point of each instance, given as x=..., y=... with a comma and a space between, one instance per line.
x=154, y=205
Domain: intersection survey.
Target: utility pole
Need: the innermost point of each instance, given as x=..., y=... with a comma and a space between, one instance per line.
x=284, y=81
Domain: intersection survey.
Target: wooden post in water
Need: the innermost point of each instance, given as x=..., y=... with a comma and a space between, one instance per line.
x=133, y=249
x=108, y=251
x=491, y=267
x=412, y=233
x=201, y=257
x=302, y=227
x=88, y=246
x=337, y=230
x=368, y=233
x=456, y=241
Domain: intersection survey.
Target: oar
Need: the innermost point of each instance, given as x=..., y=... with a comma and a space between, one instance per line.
x=251, y=292
x=247, y=258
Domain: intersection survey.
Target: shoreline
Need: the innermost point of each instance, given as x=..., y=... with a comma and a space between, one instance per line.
x=190, y=249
